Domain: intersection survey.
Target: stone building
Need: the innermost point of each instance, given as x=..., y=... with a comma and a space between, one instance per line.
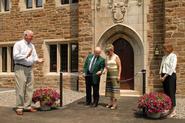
x=65, y=31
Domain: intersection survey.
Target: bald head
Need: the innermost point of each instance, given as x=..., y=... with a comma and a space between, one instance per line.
x=28, y=35
x=97, y=51
x=28, y=32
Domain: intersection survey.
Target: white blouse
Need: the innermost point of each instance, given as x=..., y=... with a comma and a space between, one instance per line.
x=168, y=64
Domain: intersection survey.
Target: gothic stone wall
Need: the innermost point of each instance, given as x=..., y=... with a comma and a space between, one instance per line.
x=166, y=24
x=51, y=22
x=175, y=34
x=85, y=35
x=155, y=38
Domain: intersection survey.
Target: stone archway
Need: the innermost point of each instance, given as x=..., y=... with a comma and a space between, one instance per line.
x=120, y=31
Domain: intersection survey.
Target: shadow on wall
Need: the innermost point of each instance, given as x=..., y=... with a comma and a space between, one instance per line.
x=157, y=22
x=74, y=21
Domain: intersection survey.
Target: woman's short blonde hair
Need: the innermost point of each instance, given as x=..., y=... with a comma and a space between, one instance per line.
x=109, y=47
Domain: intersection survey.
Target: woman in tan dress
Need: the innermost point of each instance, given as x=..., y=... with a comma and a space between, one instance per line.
x=113, y=68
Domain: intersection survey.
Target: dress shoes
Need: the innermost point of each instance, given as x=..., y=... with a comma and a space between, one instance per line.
x=88, y=104
x=95, y=105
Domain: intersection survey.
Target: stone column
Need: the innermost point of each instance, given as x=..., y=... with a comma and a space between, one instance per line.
x=175, y=34
x=85, y=35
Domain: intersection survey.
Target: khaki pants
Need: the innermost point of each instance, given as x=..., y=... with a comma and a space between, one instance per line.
x=24, y=86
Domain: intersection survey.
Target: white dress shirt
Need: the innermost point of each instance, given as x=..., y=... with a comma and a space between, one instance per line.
x=93, y=61
x=168, y=64
x=20, y=51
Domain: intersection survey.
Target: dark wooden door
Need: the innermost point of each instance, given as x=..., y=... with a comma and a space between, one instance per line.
x=125, y=51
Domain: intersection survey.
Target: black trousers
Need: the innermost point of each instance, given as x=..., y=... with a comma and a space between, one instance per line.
x=169, y=86
x=89, y=86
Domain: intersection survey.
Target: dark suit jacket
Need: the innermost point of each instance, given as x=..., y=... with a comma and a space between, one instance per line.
x=98, y=66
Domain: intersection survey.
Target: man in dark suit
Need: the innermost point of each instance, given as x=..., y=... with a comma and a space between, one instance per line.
x=93, y=68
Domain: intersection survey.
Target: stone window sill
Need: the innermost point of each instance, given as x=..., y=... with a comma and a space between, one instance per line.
x=6, y=74
x=33, y=9
x=5, y=12
x=64, y=73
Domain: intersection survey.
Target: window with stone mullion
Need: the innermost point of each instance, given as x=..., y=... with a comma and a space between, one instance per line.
x=29, y=4
x=74, y=57
x=39, y=3
x=64, y=1
x=64, y=57
x=74, y=1
x=12, y=61
x=4, y=59
x=53, y=58
x=6, y=5
x=68, y=1
x=6, y=56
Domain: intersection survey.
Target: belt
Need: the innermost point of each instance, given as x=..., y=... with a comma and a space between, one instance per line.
x=22, y=65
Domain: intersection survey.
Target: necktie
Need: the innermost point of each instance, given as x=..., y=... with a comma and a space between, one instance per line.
x=92, y=64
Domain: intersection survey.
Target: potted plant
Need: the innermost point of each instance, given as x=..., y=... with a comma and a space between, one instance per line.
x=47, y=98
x=154, y=104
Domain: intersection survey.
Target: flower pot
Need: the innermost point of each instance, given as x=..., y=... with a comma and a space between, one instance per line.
x=153, y=115
x=44, y=107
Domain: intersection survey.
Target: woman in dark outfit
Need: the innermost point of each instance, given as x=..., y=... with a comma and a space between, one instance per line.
x=168, y=75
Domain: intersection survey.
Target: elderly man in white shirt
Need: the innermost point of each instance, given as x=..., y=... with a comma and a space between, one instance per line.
x=168, y=75
x=25, y=56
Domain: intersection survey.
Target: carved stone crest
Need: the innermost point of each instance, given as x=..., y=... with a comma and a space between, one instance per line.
x=118, y=10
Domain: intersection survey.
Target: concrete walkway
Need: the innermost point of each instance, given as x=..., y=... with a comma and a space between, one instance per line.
x=77, y=112
x=8, y=98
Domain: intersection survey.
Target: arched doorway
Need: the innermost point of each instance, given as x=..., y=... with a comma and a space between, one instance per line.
x=125, y=52
x=125, y=40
